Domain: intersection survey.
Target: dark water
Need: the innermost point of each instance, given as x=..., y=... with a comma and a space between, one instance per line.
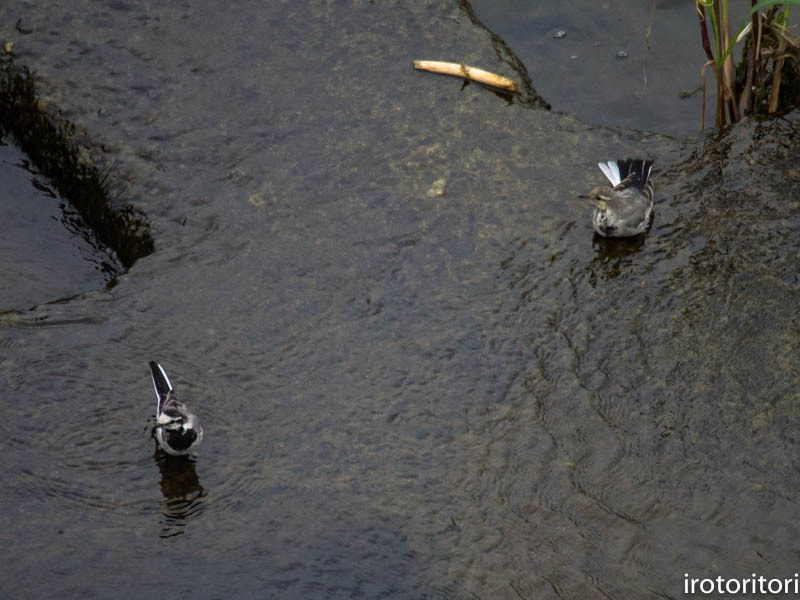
x=635, y=65
x=572, y=50
x=47, y=251
x=419, y=373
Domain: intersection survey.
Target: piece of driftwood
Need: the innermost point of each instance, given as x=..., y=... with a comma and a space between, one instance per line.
x=462, y=70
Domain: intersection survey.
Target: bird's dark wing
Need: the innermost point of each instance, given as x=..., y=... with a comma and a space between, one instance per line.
x=635, y=172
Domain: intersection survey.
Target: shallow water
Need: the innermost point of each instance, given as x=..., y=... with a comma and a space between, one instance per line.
x=418, y=371
x=47, y=251
x=618, y=64
x=634, y=65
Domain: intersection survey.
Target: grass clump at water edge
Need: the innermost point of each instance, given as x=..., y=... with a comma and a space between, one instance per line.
x=767, y=79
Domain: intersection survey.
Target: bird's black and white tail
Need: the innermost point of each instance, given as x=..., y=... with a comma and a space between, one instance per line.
x=160, y=383
x=627, y=172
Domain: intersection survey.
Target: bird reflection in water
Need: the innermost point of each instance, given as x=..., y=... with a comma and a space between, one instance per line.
x=614, y=256
x=183, y=494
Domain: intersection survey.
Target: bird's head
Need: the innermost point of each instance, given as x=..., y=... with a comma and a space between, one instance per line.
x=600, y=197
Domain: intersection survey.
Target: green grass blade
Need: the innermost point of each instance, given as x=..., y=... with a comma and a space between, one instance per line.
x=755, y=9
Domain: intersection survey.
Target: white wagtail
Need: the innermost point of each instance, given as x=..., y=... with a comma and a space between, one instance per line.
x=624, y=209
x=177, y=430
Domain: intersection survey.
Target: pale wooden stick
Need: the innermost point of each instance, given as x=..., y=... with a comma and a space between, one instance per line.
x=462, y=70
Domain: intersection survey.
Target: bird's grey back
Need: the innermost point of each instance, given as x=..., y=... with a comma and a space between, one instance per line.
x=634, y=196
x=630, y=203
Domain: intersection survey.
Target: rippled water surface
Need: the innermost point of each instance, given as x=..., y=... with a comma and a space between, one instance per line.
x=419, y=373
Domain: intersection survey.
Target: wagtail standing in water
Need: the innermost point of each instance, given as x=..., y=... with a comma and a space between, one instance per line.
x=623, y=210
x=177, y=430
